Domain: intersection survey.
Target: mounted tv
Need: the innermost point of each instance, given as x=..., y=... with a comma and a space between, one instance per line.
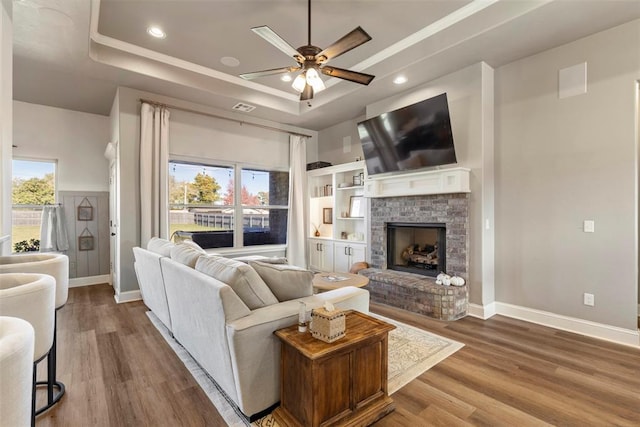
x=412, y=137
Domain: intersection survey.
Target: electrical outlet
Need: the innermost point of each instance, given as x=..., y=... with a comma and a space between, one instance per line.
x=589, y=300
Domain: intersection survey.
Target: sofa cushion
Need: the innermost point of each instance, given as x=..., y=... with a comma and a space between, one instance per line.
x=194, y=245
x=262, y=258
x=241, y=277
x=160, y=246
x=186, y=254
x=287, y=282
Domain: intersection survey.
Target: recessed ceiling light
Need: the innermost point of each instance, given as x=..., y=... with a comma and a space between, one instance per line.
x=156, y=32
x=230, y=61
x=400, y=80
x=286, y=78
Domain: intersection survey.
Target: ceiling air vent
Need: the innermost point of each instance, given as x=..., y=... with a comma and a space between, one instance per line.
x=245, y=108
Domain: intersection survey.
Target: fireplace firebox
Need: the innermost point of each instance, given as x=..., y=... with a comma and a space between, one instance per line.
x=416, y=247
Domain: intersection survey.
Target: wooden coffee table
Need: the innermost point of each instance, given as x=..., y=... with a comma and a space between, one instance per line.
x=343, y=383
x=329, y=281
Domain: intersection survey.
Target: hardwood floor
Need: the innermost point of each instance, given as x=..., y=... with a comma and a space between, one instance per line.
x=119, y=371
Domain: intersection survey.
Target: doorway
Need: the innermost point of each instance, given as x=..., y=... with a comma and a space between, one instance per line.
x=114, y=239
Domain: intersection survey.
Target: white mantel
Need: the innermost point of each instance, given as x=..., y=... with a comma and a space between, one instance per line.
x=441, y=181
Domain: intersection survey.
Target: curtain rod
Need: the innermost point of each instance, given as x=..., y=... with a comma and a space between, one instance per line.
x=188, y=110
x=33, y=206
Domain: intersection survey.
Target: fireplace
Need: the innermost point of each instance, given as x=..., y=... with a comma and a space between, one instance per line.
x=417, y=247
x=449, y=211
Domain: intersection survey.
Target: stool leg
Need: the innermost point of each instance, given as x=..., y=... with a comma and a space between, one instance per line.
x=33, y=395
x=51, y=362
x=51, y=383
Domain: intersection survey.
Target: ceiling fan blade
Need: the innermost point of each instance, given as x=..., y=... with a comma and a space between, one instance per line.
x=269, y=35
x=352, y=40
x=352, y=76
x=264, y=73
x=307, y=93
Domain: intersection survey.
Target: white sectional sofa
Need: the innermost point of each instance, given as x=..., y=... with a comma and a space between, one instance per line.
x=224, y=313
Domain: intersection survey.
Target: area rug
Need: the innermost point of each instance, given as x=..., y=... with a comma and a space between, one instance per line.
x=412, y=351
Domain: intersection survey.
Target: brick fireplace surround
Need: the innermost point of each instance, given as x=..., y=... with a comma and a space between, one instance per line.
x=415, y=292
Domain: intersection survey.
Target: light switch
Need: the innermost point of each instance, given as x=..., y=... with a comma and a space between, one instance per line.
x=589, y=226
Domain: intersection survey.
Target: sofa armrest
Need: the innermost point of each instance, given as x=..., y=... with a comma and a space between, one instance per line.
x=200, y=306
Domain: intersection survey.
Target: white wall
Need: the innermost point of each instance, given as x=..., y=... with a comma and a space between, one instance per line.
x=470, y=96
x=6, y=121
x=76, y=140
x=340, y=143
x=203, y=137
x=560, y=162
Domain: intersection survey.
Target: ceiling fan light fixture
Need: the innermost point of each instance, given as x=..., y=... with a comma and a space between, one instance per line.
x=300, y=82
x=314, y=80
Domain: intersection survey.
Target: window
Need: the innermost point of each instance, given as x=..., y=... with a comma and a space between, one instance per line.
x=33, y=185
x=203, y=205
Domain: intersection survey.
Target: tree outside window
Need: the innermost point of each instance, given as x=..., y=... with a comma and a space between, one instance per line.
x=33, y=185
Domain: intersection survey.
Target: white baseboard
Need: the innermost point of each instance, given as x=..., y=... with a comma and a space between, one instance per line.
x=629, y=337
x=90, y=280
x=483, y=312
x=128, y=296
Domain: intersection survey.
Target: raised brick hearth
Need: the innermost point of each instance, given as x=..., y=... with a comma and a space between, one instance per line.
x=417, y=293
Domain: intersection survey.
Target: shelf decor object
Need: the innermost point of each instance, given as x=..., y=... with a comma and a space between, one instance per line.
x=356, y=207
x=327, y=215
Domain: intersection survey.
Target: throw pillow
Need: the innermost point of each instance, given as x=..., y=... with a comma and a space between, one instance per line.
x=160, y=246
x=242, y=278
x=186, y=254
x=287, y=282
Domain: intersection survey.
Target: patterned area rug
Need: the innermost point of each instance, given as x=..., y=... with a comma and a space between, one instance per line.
x=411, y=352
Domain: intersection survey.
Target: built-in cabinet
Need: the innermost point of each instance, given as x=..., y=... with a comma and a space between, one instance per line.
x=338, y=217
x=321, y=254
x=346, y=254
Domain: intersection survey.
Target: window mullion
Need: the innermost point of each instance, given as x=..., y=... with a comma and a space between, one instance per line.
x=238, y=224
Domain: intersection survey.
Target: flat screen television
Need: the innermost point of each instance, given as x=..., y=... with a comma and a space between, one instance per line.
x=412, y=137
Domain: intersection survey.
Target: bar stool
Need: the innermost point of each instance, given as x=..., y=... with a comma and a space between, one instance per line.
x=16, y=371
x=56, y=265
x=31, y=297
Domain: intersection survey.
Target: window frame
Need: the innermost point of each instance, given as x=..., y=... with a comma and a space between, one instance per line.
x=238, y=207
x=54, y=162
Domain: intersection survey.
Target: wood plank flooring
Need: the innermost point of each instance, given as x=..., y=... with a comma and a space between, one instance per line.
x=120, y=372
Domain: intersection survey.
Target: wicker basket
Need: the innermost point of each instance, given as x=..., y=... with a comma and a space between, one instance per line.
x=327, y=326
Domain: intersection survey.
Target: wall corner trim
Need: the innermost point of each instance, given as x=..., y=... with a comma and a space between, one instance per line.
x=483, y=312
x=128, y=296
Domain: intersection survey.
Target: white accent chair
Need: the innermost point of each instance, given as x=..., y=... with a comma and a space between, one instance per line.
x=16, y=371
x=56, y=265
x=31, y=297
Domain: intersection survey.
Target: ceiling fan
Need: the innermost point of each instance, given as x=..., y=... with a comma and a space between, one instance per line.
x=311, y=60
